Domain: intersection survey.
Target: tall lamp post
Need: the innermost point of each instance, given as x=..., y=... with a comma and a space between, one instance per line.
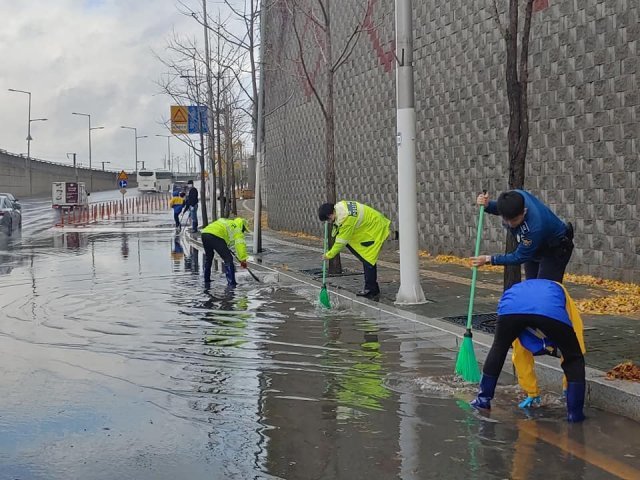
x=168, y=137
x=135, y=132
x=90, y=128
x=27, y=166
x=103, y=164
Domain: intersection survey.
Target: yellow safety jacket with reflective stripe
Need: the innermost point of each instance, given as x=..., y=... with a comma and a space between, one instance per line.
x=361, y=227
x=231, y=232
x=523, y=359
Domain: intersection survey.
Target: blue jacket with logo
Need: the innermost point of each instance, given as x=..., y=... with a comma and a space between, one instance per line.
x=541, y=228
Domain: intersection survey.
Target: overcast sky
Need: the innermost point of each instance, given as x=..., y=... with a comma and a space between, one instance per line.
x=89, y=56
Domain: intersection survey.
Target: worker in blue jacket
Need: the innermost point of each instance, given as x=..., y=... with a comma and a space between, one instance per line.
x=541, y=314
x=545, y=243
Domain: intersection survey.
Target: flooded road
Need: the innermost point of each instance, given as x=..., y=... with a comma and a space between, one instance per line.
x=117, y=363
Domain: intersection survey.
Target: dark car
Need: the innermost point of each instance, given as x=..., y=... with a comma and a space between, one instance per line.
x=10, y=216
x=12, y=198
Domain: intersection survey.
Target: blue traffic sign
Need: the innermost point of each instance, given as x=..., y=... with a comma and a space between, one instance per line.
x=122, y=183
x=198, y=115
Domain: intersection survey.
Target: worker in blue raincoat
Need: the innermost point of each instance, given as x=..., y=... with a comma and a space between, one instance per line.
x=362, y=230
x=541, y=314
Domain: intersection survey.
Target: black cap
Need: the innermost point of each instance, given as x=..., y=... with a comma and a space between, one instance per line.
x=324, y=211
x=190, y=182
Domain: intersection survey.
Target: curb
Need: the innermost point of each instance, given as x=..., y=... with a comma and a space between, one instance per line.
x=615, y=396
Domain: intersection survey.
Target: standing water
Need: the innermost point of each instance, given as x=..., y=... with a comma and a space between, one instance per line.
x=117, y=363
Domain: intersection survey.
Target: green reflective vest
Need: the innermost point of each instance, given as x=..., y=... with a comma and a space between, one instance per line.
x=231, y=232
x=361, y=227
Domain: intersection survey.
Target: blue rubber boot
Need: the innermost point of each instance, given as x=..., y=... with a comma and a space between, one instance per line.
x=487, y=390
x=575, y=402
x=230, y=272
x=530, y=402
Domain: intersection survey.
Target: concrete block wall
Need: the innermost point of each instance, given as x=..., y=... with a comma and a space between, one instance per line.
x=14, y=177
x=584, y=119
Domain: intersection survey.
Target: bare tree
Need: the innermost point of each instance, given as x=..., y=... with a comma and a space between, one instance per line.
x=317, y=21
x=183, y=83
x=517, y=82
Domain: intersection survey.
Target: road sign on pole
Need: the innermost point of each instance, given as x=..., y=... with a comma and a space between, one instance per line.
x=179, y=119
x=122, y=184
x=123, y=175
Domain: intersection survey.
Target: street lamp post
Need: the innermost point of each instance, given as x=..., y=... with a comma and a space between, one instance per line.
x=168, y=137
x=135, y=132
x=103, y=164
x=94, y=128
x=75, y=166
x=27, y=166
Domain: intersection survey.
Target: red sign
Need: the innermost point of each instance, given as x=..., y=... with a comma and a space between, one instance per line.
x=72, y=192
x=540, y=5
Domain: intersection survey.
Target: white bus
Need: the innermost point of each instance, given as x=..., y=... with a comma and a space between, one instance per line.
x=154, y=181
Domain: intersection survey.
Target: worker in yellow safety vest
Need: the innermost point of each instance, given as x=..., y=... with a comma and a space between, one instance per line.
x=220, y=236
x=362, y=230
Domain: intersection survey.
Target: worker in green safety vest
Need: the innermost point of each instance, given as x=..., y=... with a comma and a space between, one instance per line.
x=220, y=236
x=362, y=230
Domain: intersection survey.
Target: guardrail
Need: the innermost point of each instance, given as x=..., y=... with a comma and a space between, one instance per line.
x=112, y=210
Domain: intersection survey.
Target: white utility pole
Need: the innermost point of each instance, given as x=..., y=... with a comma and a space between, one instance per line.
x=257, y=205
x=410, y=292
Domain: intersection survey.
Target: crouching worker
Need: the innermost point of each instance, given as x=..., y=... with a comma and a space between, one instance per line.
x=535, y=343
x=540, y=313
x=220, y=236
x=362, y=230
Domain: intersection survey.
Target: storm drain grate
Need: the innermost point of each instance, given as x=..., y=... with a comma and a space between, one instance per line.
x=483, y=322
x=317, y=272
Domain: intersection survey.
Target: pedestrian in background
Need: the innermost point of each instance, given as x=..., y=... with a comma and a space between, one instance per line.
x=191, y=204
x=177, y=203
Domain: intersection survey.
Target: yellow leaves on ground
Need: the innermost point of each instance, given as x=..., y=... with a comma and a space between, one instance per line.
x=611, y=305
x=303, y=235
x=625, y=371
x=625, y=301
x=465, y=262
x=626, y=298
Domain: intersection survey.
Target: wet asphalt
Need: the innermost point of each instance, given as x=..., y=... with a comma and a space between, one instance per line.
x=118, y=363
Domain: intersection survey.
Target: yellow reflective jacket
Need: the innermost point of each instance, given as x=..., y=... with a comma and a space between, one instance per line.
x=523, y=359
x=361, y=227
x=231, y=231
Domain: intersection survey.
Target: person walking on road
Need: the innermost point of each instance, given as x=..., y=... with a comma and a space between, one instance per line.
x=541, y=314
x=191, y=204
x=177, y=203
x=545, y=243
x=362, y=230
x=220, y=236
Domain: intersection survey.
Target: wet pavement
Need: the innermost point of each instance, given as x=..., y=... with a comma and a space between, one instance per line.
x=117, y=363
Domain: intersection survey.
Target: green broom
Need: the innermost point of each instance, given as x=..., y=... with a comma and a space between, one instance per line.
x=466, y=364
x=324, y=295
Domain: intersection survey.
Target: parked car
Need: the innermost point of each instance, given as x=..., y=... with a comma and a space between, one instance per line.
x=10, y=216
x=12, y=198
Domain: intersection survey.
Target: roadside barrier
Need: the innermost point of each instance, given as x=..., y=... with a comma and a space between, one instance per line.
x=115, y=209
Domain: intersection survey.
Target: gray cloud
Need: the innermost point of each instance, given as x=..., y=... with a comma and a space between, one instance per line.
x=90, y=56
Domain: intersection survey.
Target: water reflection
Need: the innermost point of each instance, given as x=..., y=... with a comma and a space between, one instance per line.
x=253, y=382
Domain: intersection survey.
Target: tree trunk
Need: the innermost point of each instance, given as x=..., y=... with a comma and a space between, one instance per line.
x=227, y=158
x=335, y=265
x=518, y=134
x=203, y=182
